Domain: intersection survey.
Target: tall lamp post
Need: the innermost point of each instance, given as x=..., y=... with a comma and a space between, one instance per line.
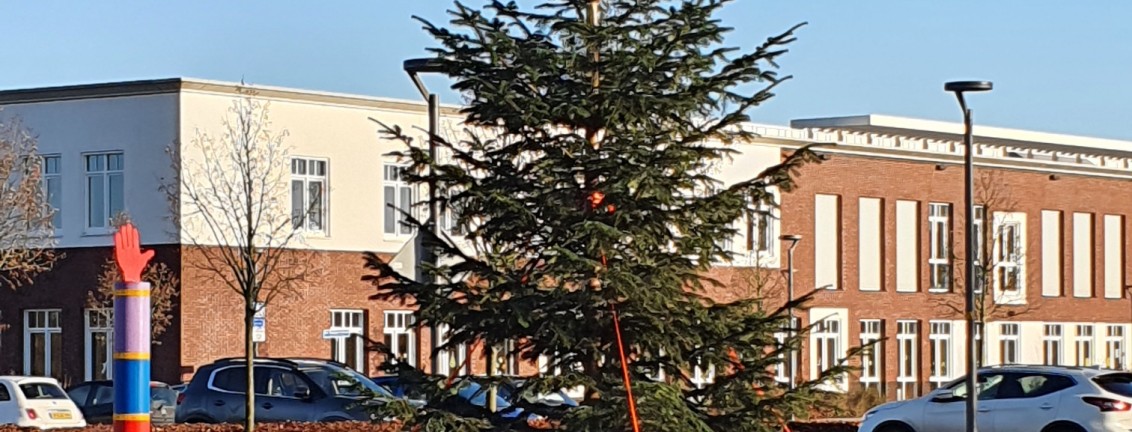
x=415, y=67
x=960, y=87
x=793, y=239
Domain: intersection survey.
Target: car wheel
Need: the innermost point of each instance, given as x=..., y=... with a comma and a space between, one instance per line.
x=893, y=427
x=1063, y=427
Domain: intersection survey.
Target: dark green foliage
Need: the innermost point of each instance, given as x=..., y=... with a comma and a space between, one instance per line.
x=668, y=107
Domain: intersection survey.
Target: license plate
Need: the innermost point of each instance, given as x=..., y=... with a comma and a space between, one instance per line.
x=60, y=415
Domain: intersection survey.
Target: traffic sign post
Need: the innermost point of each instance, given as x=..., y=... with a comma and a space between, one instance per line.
x=259, y=324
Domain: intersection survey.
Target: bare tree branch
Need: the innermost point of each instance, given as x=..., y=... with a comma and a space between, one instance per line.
x=26, y=217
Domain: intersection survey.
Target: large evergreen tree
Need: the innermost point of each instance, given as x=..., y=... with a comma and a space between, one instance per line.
x=583, y=180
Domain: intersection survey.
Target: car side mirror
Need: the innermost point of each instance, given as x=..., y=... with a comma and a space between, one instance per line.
x=945, y=396
x=303, y=393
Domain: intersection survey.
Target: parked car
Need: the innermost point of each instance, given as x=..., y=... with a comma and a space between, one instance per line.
x=473, y=397
x=96, y=400
x=37, y=402
x=1018, y=398
x=302, y=390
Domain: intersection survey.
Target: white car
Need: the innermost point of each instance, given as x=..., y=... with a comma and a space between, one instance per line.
x=37, y=402
x=1017, y=399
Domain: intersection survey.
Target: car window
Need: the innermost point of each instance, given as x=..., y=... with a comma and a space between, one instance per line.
x=339, y=381
x=988, y=387
x=278, y=382
x=1119, y=383
x=103, y=394
x=79, y=394
x=42, y=391
x=1032, y=385
x=4, y=394
x=232, y=379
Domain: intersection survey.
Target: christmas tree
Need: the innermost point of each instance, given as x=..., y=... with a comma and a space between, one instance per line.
x=582, y=183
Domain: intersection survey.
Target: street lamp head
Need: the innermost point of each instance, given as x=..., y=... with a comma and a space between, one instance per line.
x=422, y=65
x=791, y=237
x=968, y=86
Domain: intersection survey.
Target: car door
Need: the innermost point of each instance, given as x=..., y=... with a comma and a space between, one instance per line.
x=1031, y=403
x=280, y=395
x=100, y=405
x=9, y=411
x=950, y=414
x=224, y=401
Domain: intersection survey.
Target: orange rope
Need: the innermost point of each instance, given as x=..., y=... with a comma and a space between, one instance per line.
x=595, y=201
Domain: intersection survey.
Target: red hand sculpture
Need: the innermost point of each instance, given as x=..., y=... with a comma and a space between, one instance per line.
x=128, y=254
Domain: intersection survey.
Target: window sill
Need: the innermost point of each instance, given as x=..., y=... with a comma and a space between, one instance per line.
x=96, y=232
x=939, y=290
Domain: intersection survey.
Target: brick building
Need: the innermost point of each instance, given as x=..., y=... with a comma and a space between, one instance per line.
x=881, y=224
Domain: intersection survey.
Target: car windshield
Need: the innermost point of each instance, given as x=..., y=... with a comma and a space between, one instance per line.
x=1119, y=383
x=340, y=381
x=42, y=391
x=165, y=395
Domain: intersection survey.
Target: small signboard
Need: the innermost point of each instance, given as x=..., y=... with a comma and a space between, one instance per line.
x=259, y=329
x=336, y=333
x=259, y=323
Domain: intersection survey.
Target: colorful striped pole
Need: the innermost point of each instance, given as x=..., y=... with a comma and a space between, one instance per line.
x=131, y=333
x=131, y=356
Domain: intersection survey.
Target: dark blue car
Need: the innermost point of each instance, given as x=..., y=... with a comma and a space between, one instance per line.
x=474, y=397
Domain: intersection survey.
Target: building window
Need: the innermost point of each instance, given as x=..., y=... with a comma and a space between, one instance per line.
x=451, y=361
x=399, y=337
x=1051, y=345
x=308, y=194
x=827, y=344
x=760, y=231
x=105, y=196
x=940, y=337
x=348, y=344
x=448, y=214
x=53, y=188
x=702, y=377
x=906, y=374
x=980, y=246
x=1083, y=344
x=43, y=343
x=1008, y=247
x=1114, y=347
x=939, y=258
x=506, y=359
x=399, y=198
x=872, y=359
x=99, y=344
x=1008, y=344
x=785, y=356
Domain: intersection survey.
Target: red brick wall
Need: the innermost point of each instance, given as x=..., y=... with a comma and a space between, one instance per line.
x=853, y=177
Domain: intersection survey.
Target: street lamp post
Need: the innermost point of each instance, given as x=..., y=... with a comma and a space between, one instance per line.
x=959, y=87
x=793, y=239
x=414, y=68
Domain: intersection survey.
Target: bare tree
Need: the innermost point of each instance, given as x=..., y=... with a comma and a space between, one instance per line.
x=999, y=261
x=232, y=202
x=26, y=216
x=164, y=287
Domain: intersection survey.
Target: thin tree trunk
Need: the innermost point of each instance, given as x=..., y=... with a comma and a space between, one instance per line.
x=249, y=358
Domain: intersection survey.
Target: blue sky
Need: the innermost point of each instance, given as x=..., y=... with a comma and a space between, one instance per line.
x=1058, y=66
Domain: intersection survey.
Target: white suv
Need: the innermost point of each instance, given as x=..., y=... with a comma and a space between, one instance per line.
x=1017, y=399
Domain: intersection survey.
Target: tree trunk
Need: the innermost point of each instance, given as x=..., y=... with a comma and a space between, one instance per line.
x=249, y=358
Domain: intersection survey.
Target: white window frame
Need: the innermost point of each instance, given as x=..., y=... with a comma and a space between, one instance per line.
x=399, y=322
x=942, y=353
x=907, y=349
x=1010, y=258
x=353, y=322
x=1010, y=335
x=1083, y=347
x=98, y=320
x=872, y=359
x=827, y=344
x=445, y=357
x=939, y=221
x=1052, y=344
x=46, y=330
x=760, y=231
x=1115, y=347
x=53, y=175
x=785, y=354
x=980, y=238
x=105, y=175
x=701, y=378
x=307, y=177
x=510, y=361
x=391, y=178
